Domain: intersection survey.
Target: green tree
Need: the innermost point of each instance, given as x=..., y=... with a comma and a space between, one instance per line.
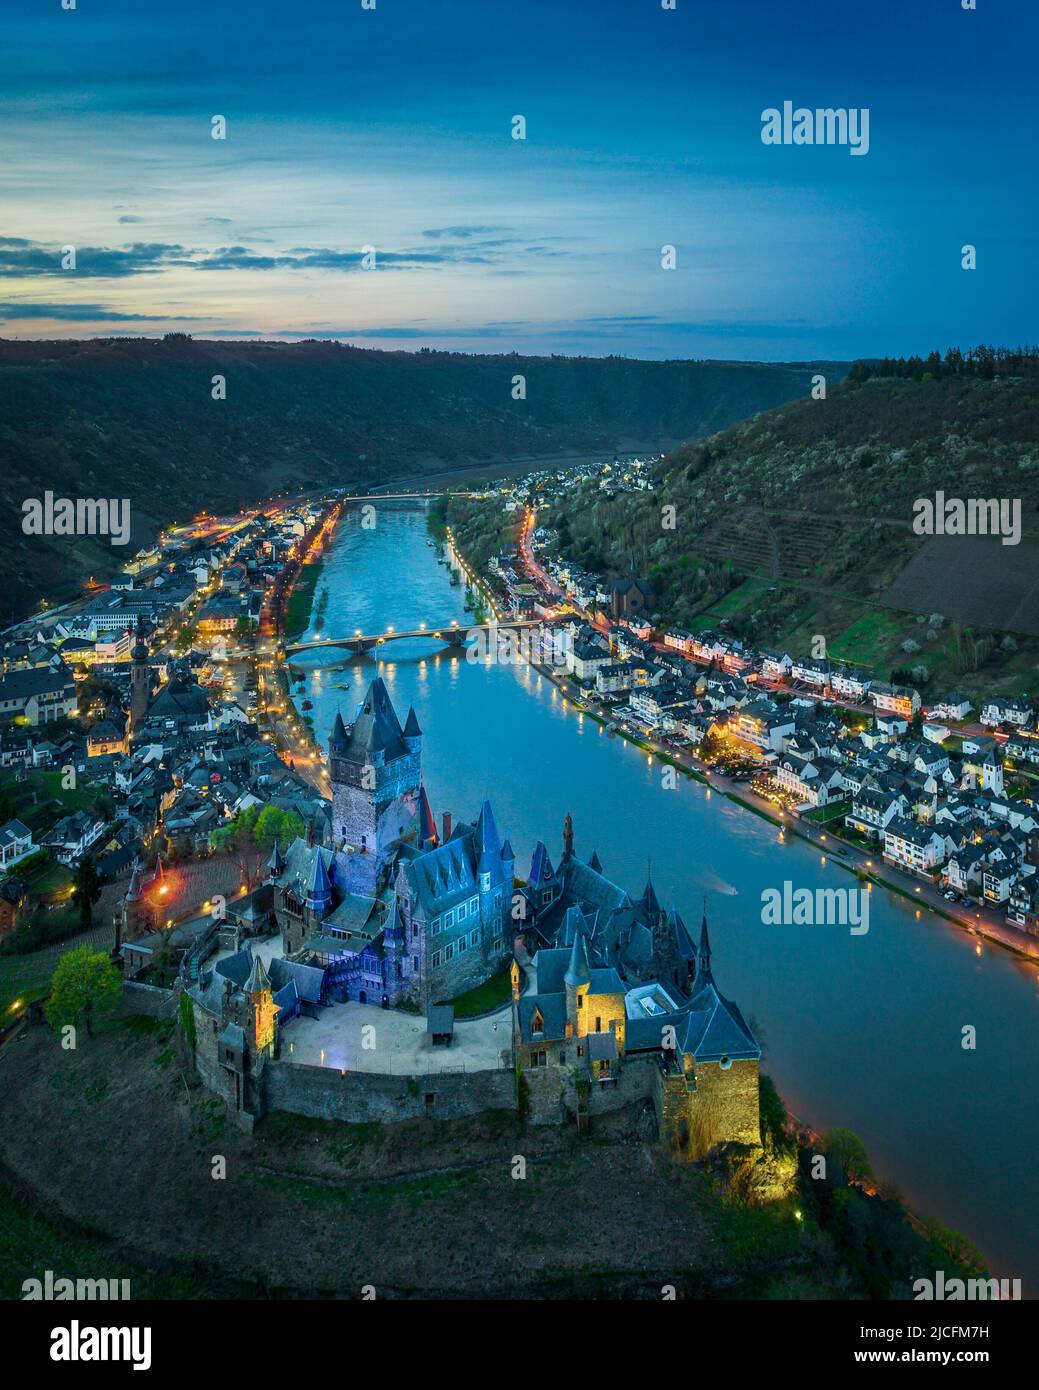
x=85, y=986
x=847, y=1149
x=86, y=885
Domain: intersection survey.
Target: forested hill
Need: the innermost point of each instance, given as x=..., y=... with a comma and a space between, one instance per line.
x=799, y=523
x=136, y=418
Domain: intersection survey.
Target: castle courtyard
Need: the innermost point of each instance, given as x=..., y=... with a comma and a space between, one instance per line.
x=398, y=1042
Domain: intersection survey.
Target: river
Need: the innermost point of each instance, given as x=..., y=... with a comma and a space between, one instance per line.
x=863, y=1031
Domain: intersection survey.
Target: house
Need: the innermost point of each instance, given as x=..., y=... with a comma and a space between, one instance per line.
x=811, y=672
x=775, y=665
x=1023, y=904
x=73, y=836
x=903, y=700
x=38, y=696
x=954, y=706
x=853, y=685
x=918, y=848
x=807, y=781
x=873, y=809
x=964, y=868
x=1005, y=711
x=16, y=843
x=762, y=723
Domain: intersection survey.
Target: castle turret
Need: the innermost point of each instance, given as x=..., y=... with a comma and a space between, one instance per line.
x=508, y=862
x=650, y=902
x=319, y=891
x=412, y=734
x=275, y=864
x=568, y=835
x=703, y=962
x=576, y=981
x=427, y=831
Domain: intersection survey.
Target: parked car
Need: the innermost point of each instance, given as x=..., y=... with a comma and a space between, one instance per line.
x=968, y=902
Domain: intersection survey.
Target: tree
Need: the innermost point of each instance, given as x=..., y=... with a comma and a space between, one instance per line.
x=85, y=985
x=847, y=1149
x=86, y=885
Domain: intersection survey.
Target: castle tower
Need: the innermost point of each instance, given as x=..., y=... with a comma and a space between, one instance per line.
x=376, y=770
x=576, y=981
x=264, y=1010
x=568, y=835
x=140, y=678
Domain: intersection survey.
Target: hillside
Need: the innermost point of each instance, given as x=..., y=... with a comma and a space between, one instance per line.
x=135, y=418
x=800, y=523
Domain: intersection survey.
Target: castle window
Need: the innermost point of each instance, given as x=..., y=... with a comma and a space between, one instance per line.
x=461, y=912
x=449, y=920
x=537, y=1023
x=546, y=897
x=474, y=903
x=449, y=952
x=580, y=1000
x=539, y=1059
x=414, y=962
x=725, y=1063
x=474, y=937
x=598, y=1025
x=436, y=960
x=463, y=944
x=435, y=927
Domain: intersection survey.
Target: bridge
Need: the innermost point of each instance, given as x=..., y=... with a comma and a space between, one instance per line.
x=407, y=496
x=451, y=634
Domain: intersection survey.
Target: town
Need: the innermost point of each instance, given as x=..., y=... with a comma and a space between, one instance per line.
x=938, y=798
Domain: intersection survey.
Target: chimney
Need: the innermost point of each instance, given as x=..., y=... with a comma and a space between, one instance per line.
x=447, y=826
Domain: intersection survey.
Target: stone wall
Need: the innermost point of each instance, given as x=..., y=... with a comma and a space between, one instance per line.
x=148, y=1000
x=362, y=1097
x=714, y=1105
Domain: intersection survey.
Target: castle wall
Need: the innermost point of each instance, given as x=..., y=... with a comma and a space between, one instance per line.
x=363, y=1097
x=708, y=1106
x=147, y=1000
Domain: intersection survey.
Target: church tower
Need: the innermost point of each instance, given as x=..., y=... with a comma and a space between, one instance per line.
x=140, y=678
x=376, y=769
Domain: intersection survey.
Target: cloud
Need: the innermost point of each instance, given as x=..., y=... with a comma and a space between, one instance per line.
x=461, y=231
x=129, y=217
x=20, y=257
x=84, y=313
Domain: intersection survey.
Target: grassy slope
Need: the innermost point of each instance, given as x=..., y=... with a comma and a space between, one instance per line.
x=135, y=418
x=796, y=523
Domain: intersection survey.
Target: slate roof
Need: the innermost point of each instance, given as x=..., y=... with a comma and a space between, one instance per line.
x=376, y=728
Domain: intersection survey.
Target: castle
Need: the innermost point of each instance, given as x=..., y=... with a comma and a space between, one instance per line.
x=612, y=1001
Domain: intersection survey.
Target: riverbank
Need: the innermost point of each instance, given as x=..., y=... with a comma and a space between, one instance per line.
x=922, y=894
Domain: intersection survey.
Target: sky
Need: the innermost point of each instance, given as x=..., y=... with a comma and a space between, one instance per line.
x=392, y=128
